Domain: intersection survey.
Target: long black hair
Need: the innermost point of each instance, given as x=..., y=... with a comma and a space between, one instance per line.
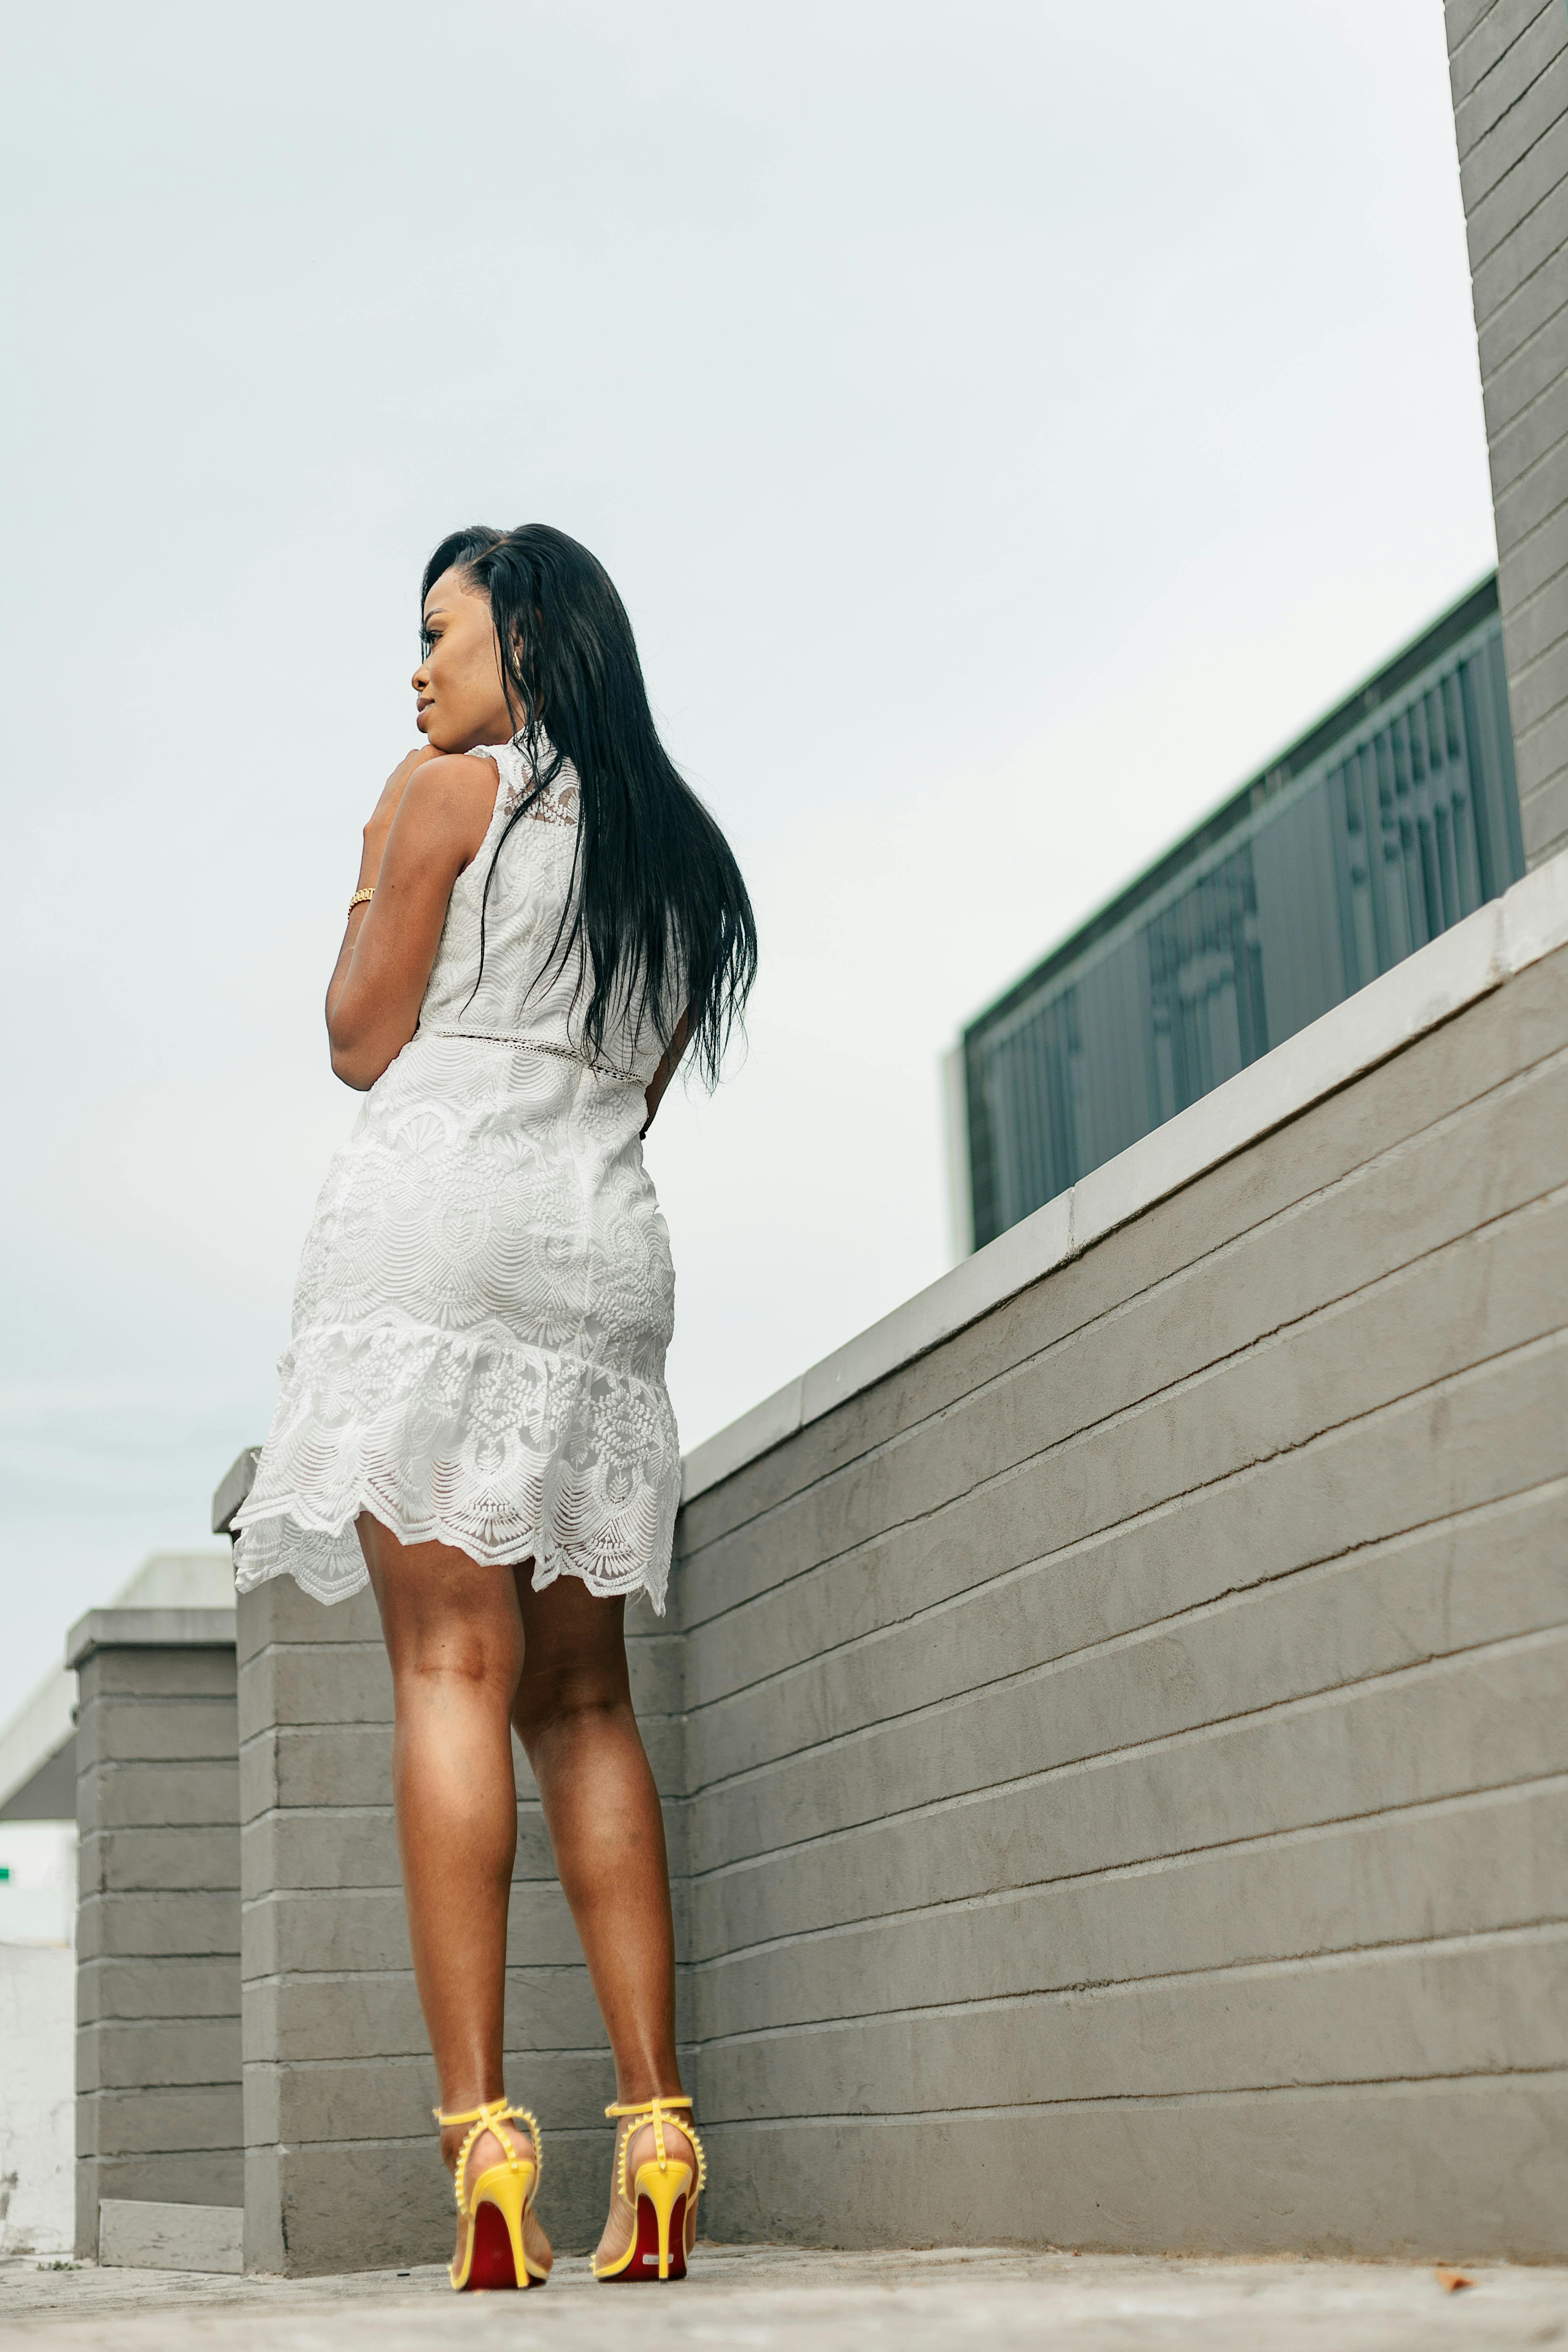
x=661, y=909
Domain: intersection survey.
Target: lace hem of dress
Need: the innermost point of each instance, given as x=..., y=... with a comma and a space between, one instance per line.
x=505, y=1451
x=328, y=1565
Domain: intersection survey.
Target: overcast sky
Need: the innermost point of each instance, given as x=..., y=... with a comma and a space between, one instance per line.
x=1007, y=423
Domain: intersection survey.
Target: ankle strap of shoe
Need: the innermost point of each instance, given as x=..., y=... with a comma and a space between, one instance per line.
x=484, y=2119
x=655, y=2111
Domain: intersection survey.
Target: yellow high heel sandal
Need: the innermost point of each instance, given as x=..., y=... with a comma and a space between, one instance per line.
x=663, y=2195
x=505, y=2245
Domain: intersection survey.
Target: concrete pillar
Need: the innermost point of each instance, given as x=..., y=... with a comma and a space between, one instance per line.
x=158, y=2077
x=1508, y=65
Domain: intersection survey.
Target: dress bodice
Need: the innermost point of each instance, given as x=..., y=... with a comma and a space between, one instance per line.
x=530, y=991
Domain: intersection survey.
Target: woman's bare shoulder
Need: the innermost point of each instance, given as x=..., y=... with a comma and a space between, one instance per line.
x=451, y=795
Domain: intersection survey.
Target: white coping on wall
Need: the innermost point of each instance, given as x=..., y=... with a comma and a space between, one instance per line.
x=1428, y=989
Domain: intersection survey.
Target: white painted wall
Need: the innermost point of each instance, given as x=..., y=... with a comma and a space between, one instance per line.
x=37, y=2037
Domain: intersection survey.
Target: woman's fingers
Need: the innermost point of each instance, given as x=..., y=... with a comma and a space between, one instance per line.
x=396, y=784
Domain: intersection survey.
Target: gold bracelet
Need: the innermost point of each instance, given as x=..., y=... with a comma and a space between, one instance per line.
x=361, y=899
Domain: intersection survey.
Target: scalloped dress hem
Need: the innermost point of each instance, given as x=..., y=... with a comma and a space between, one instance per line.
x=326, y=1561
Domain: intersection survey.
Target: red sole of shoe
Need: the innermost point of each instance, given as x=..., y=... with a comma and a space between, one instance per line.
x=644, y=2264
x=493, y=2265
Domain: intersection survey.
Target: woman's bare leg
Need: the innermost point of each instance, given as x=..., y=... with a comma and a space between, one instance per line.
x=454, y=1637
x=573, y=1715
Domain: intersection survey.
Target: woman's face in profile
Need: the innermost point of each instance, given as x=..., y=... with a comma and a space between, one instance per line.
x=462, y=702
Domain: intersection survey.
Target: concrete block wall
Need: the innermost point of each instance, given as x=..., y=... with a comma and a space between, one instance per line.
x=1127, y=1739
x=1509, y=65
x=158, y=2060
x=341, y=2167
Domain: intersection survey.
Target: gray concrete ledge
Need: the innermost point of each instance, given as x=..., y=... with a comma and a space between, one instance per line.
x=232, y=1490
x=1428, y=989
x=142, y=2235
x=149, y=1629
x=918, y=2301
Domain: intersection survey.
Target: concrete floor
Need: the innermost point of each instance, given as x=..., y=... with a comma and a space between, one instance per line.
x=781, y=2300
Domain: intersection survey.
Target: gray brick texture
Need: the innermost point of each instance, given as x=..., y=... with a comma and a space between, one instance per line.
x=1509, y=67
x=158, y=2058
x=1126, y=1749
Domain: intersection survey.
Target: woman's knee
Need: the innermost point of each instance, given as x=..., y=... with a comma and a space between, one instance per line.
x=447, y=1618
x=574, y=1660
x=568, y=1690
x=485, y=1659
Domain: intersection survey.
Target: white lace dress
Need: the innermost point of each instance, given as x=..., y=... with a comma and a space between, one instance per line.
x=485, y=1293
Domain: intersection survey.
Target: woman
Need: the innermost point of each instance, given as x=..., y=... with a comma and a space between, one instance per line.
x=472, y=1410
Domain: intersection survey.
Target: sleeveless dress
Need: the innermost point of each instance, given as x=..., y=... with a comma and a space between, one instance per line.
x=485, y=1293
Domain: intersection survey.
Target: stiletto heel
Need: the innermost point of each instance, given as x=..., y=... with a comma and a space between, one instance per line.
x=505, y=2245
x=662, y=2195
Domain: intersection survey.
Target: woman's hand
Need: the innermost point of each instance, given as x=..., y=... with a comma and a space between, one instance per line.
x=385, y=809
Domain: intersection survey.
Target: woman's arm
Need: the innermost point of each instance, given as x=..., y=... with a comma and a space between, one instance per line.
x=666, y=1070
x=428, y=824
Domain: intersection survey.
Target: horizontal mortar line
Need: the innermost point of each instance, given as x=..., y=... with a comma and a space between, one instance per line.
x=1550, y=587
x=159, y=2021
x=1258, y=1588
x=1552, y=716
x=1544, y=8
x=1516, y=546
x=1192, y=1734
x=1483, y=1367
x=379, y=1812
x=372, y=1645
x=276, y=1731
x=1511, y=357
x=180, y=1959
x=1552, y=719
x=1521, y=98
x=1489, y=195
x=1547, y=652
x=372, y=1727
x=1258, y=1595
x=1333, y=1959
x=403, y=1975
x=1168, y=1505
x=228, y=2086
x=1330, y=1827
x=1519, y=417
x=330, y=1644
x=1380, y=1164
x=516, y=2054
x=1518, y=484
x=149, y=2022
x=315, y=1809
x=1248, y=1473
x=1415, y=2084
x=1417, y=1532
x=138, y=1893
x=268, y=2069
x=1136, y=1302
x=294, y=2145
x=1542, y=719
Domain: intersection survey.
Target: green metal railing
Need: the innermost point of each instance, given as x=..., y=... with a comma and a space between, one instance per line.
x=1395, y=817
